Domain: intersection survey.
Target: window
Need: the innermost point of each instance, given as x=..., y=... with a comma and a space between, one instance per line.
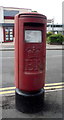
x=8, y=33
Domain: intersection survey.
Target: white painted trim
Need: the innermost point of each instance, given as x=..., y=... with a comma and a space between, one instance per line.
x=8, y=21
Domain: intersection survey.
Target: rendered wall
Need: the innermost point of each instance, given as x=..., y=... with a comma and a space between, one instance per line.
x=1, y=34
x=1, y=21
x=1, y=15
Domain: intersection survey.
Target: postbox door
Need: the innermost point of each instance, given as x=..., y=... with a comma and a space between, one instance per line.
x=33, y=65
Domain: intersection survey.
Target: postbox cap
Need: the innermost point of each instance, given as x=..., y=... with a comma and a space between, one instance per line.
x=32, y=14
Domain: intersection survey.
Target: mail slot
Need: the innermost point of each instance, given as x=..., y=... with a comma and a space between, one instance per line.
x=30, y=60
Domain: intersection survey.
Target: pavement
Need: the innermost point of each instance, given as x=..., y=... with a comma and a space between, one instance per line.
x=52, y=108
x=10, y=47
x=53, y=97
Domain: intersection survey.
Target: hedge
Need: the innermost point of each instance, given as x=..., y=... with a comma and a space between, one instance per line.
x=55, y=39
x=49, y=33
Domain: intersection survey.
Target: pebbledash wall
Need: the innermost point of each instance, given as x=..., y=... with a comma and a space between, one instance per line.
x=7, y=22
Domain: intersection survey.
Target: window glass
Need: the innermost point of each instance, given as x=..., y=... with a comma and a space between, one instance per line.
x=10, y=29
x=6, y=35
x=11, y=38
x=6, y=30
x=11, y=32
x=7, y=39
x=11, y=35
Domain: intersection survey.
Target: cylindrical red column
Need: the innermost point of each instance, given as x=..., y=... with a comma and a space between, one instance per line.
x=30, y=59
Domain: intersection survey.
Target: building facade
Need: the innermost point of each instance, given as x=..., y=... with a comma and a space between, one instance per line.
x=55, y=28
x=7, y=22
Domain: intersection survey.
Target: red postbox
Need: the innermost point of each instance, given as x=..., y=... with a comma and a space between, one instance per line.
x=30, y=59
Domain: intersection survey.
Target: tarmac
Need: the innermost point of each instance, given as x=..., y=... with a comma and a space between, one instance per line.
x=10, y=47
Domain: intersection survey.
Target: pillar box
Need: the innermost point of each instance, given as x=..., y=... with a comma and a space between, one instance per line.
x=30, y=59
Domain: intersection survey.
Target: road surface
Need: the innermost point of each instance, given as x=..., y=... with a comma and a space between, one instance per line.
x=53, y=67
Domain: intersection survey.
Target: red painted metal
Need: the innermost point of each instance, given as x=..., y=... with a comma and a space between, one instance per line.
x=30, y=58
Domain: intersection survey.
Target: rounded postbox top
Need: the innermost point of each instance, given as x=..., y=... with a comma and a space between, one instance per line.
x=32, y=14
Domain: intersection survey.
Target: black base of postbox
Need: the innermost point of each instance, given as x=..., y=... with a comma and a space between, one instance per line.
x=29, y=102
